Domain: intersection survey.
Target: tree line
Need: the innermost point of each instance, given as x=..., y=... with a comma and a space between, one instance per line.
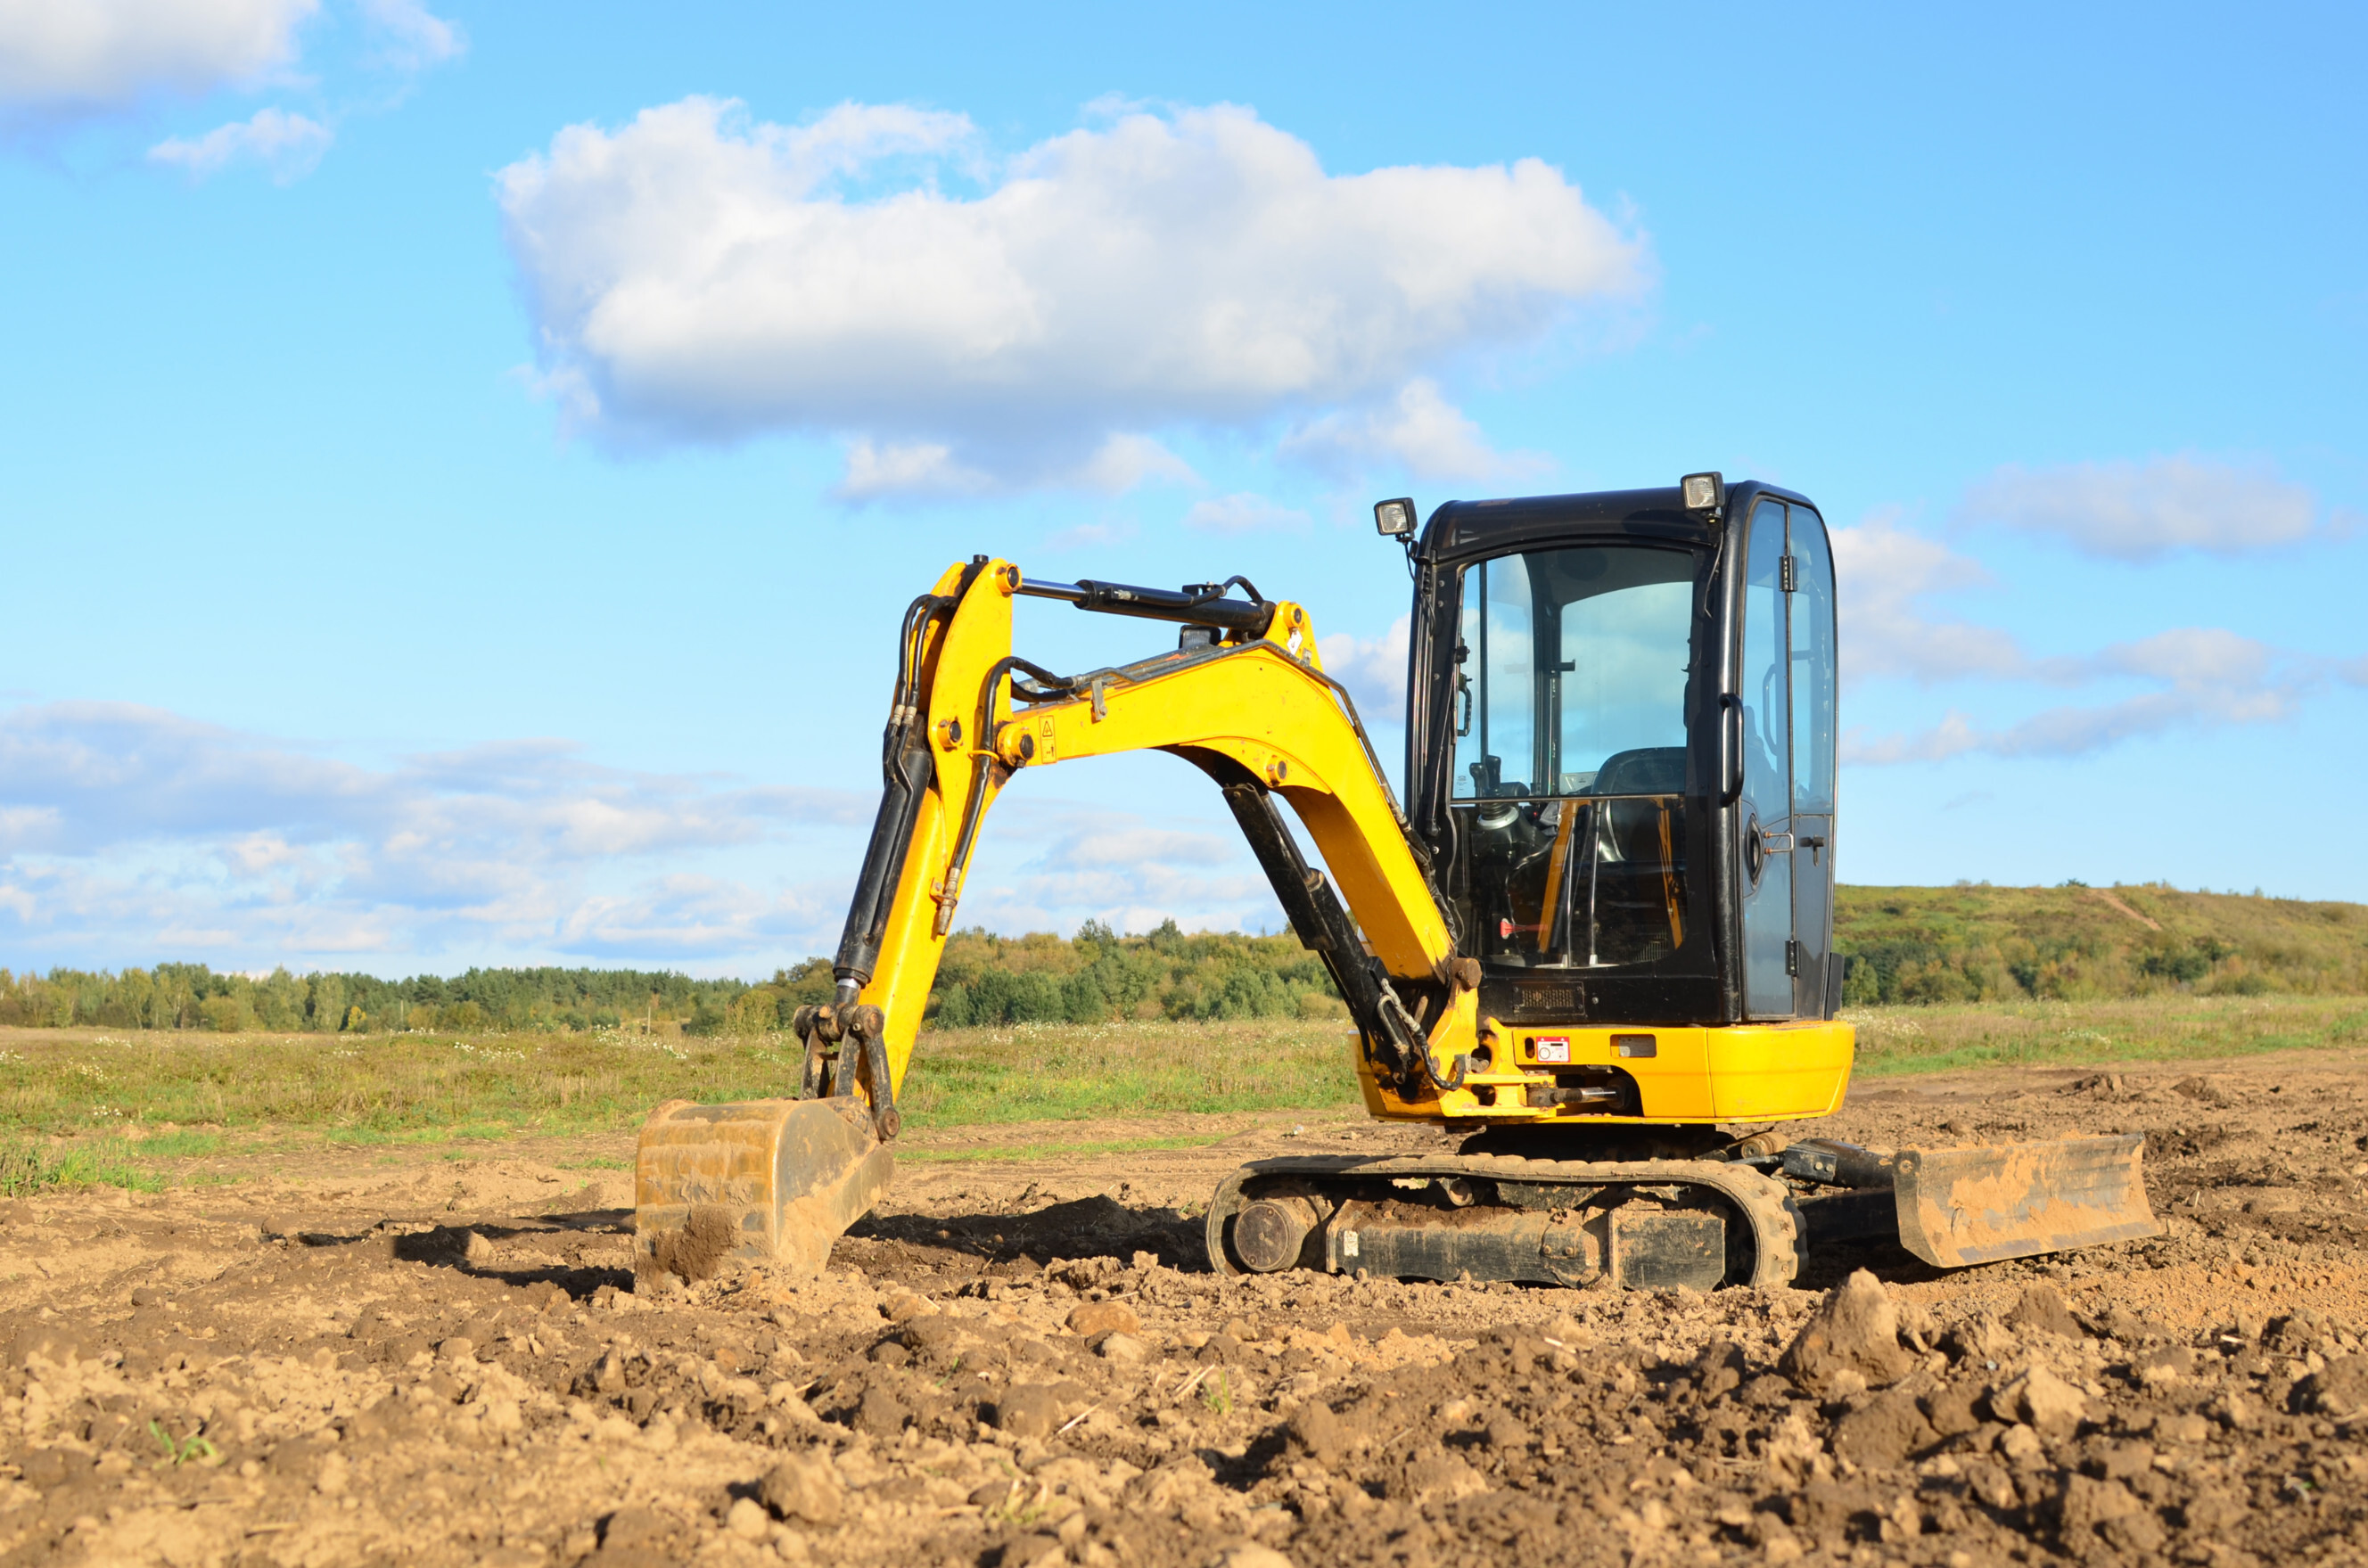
x=985, y=979
x=1900, y=945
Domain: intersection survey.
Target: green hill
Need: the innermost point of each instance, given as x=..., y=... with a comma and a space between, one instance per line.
x=2075, y=944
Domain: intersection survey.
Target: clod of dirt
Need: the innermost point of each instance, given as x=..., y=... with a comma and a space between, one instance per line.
x=1949, y=1410
x=1718, y=1370
x=1882, y=1433
x=2201, y=1090
x=1219, y=1349
x=47, y=1342
x=2108, y=1508
x=1313, y=1430
x=693, y=1252
x=638, y=1538
x=1250, y=1554
x=2340, y=1389
x=459, y=1348
x=48, y=1468
x=1504, y=1432
x=1104, y=1317
x=2043, y=1308
x=803, y=1486
x=2046, y=1402
x=1033, y=1550
x=746, y=1518
x=1027, y=1410
x=1124, y=1349
x=2118, y=1460
x=938, y=1341
x=1849, y=1344
x=881, y=1414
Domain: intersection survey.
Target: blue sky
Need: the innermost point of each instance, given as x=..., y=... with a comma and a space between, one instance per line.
x=461, y=466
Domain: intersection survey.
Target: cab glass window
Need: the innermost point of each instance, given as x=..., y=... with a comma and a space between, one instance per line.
x=1571, y=673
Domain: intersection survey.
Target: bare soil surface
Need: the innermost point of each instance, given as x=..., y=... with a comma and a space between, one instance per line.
x=357, y=1356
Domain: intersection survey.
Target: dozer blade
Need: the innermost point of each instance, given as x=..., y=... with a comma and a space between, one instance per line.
x=1965, y=1205
x=768, y=1181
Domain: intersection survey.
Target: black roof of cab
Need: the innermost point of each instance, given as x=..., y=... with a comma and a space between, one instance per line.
x=1461, y=528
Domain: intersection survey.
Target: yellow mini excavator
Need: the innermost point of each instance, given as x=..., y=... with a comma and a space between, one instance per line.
x=1596, y=937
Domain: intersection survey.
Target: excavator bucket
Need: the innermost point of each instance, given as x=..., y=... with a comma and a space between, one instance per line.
x=764, y=1181
x=1957, y=1206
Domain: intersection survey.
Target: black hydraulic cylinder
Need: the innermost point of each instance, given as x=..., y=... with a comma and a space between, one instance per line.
x=884, y=861
x=1205, y=605
x=1316, y=913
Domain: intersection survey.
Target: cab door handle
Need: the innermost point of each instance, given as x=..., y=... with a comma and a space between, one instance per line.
x=1730, y=746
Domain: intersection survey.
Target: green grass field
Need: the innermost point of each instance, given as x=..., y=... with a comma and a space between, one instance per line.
x=1893, y=1041
x=79, y=1108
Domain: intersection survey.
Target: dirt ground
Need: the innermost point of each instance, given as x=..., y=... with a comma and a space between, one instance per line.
x=356, y=1357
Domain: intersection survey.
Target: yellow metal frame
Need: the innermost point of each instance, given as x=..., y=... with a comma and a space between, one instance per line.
x=1263, y=703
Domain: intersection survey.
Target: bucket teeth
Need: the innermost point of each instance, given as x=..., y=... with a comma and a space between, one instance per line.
x=773, y=1182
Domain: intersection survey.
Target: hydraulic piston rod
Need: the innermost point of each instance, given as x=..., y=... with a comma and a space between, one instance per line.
x=1199, y=604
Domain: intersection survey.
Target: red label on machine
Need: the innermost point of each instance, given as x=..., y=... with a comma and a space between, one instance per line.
x=1550, y=1048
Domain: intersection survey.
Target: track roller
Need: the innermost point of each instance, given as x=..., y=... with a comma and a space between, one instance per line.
x=1639, y=1224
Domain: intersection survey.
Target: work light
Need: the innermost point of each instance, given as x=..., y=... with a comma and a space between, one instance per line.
x=1394, y=519
x=1703, y=492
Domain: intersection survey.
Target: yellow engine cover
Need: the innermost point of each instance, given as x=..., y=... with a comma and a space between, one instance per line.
x=1685, y=1072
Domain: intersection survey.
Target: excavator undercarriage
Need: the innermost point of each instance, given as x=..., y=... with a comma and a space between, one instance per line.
x=1595, y=941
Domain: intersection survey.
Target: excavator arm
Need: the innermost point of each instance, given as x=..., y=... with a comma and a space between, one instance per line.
x=1244, y=698
x=1246, y=702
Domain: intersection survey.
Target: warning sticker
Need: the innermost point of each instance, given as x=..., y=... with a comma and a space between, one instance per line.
x=1550, y=1048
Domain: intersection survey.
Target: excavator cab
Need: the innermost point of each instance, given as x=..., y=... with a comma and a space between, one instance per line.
x=1620, y=752
x=1593, y=936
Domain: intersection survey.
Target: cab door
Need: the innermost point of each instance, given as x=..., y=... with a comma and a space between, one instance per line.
x=1764, y=814
x=1809, y=617
x=1787, y=692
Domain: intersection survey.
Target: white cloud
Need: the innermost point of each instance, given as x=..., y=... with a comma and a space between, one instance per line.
x=701, y=917
x=413, y=39
x=1418, y=430
x=1242, y=512
x=2140, y=511
x=2201, y=677
x=89, y=55
x=137, y=824
x=1125, y=462
x=698, y=276
x=908, y=468
x=1885, y=576
x=931, y=468
x=290, y=145
x=1069, y=861
x=2186, y=678
x=1373, y=668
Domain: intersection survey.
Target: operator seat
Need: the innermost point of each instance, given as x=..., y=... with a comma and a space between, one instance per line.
x=1647, y=770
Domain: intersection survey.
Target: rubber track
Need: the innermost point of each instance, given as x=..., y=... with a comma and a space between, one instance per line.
x=1766, y=1206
